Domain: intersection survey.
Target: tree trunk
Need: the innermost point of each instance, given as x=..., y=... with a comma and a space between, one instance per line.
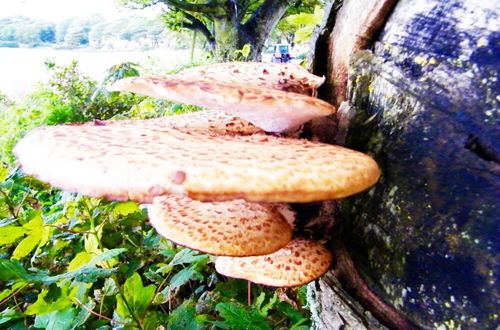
x=227, y=39
x=424, y=102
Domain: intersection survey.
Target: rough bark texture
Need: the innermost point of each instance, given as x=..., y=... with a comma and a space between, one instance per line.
x=426, y=104
x=356, y=24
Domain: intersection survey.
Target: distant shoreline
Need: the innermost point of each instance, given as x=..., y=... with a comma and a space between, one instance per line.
x=22, y=68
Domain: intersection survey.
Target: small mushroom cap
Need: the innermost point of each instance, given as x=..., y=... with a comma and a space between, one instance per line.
x=123, y=162
x=270, y=109
x=282, y=76
x=208, y=121
x=299, y=262
x=233, y=228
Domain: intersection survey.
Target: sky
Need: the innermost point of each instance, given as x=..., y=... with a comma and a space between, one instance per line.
x=58, y=10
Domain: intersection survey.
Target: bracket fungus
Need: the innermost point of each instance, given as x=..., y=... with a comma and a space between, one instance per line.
x=270, y=107
x=134, y=162
x=281, y=76
x=299, y=262
x=232, y=228
x=221, y=157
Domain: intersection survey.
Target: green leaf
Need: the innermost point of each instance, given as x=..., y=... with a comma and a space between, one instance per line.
x=136, y=295
x=239, y=317
x=13, y=270
x=265, y=309
x=41, y=306
x=302, y=19
x=184, y=317
x=109, y=288
x=182, y=277
x=83, y=315
x=126, y=208
x=296, y=317
x=80, y=260
x=107, y=255
x=187, y=256
x=58, y=320
x=27, y=245
x=259, y=300
x=10, y=234
x=9, y=314
x=35, y=223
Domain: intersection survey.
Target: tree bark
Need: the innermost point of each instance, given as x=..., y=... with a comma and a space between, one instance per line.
x=423, y=101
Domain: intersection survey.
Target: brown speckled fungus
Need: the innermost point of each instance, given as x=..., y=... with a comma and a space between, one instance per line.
x=270, y=109
x=137, y=162
x=282, y=76
x=299, y=262
x=233, y=228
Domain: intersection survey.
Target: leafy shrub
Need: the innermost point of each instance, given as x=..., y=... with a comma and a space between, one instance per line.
x=74, y=262
x=68, y=262
x=69, y=96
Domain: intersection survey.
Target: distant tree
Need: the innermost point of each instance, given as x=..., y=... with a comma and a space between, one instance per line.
x=62, y=29
x=96, y=33
x=76, y=37
x=47, y=33
x=226, y=25
x=8, y=33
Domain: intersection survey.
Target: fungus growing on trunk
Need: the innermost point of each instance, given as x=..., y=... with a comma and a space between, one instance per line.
x=299, y=262
x=208, y=121
x=232, y=228
x=138, y=162
x=213, y=156
x=273, y=110
x=282, y=76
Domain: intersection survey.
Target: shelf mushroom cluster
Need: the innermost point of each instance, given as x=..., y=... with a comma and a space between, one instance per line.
x=214, y=179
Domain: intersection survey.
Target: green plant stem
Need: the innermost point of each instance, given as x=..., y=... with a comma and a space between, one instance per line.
x=113, y=277
x=9, y=204
x=100, y=315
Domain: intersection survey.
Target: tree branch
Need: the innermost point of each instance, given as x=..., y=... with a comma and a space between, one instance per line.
x=265, y=18
x=198, y=25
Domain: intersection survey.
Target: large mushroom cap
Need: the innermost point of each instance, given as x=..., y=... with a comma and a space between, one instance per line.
x=124, y=162
x=270, y=109
x=282, y=76
x=232, y=228
x=299, y=262
x=135, y=162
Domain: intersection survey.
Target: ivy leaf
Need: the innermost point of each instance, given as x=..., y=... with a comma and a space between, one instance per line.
x=137, y=296
x=40, y=306
x=58, y=320
x=238, y=317
x=184, y=317
x=80, y=260
x=187, y=256
x=182, y=277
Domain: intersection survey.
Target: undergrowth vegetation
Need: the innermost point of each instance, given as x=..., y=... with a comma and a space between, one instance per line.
x=72, y=262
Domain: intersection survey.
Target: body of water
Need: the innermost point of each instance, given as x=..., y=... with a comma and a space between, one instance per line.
x=21, y=68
